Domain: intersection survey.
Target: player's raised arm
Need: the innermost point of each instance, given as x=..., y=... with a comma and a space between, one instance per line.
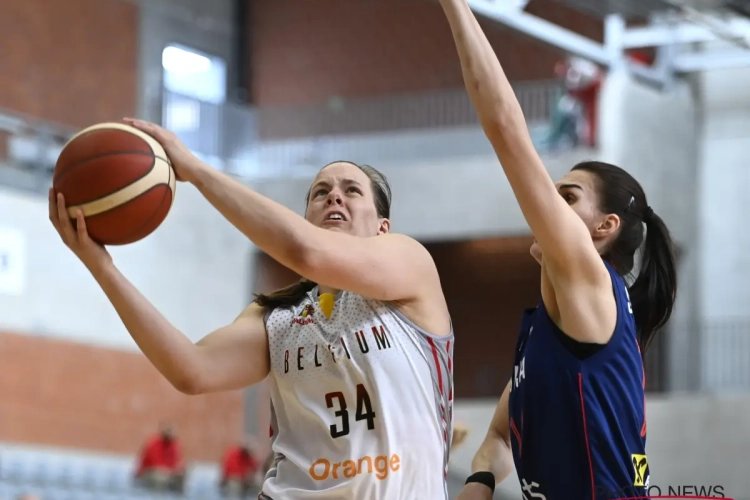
x=383, y=266
x=232, y=357
x=563, y=237
x=323, y=248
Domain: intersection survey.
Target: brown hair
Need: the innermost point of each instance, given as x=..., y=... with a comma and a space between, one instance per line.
x=294, y=293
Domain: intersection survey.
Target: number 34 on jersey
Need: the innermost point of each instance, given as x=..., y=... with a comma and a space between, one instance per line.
x=363, y=411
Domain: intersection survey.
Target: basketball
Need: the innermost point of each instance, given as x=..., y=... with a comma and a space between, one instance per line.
x=120, y=177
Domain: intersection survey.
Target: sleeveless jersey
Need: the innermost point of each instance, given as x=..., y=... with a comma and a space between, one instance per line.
x=578, y=427
x=362, y=403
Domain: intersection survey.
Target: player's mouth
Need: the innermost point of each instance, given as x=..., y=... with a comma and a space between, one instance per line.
x=334, y=218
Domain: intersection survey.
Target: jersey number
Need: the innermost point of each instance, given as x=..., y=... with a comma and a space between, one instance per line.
x=363, y=412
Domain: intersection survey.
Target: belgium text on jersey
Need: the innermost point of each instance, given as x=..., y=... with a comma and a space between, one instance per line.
x=378, y=338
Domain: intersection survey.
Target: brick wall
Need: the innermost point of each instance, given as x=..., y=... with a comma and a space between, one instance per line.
x=306, y=51
x=64, y=394
x=72, y=61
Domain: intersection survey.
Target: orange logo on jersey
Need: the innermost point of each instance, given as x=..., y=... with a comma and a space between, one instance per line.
x=305, y=315
x=381, y=466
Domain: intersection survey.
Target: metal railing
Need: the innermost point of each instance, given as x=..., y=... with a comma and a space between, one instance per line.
x=724, y=350
x=710, y=356
x=435, y=109
x=28, y=149
x=270, y=141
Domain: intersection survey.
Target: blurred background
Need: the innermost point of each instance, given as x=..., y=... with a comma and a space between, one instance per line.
x=271, y=90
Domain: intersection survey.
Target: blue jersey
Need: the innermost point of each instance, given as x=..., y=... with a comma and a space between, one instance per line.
x=578, y=426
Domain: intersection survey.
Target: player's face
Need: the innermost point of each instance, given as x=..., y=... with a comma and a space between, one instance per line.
x=578, y=189
x=341, y=199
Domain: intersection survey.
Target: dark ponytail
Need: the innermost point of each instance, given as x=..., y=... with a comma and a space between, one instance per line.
x=653, y=293
x=293, y=294
x=286, y=297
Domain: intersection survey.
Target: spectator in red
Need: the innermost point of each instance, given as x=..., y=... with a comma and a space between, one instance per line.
x=240, y=472
x=160, y=466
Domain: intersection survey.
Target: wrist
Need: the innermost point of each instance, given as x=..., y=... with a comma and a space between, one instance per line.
x=482, y=479
x=101, y=269
x=198, y=172
x=476, y=491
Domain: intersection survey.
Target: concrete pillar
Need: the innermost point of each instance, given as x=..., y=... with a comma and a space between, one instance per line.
x=653, y=135
x=724, y=274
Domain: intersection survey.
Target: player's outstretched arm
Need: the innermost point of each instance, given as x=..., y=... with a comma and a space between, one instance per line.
x=389, y=267
x=230, y=358
x=494, y=455
x=562, y=235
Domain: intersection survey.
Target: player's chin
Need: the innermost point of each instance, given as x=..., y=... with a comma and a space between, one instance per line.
x=337, y=226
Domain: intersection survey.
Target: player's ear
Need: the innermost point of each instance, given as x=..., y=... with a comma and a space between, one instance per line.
x=607, y=226
x=385, y=226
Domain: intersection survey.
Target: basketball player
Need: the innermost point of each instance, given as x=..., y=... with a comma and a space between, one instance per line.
x=358, y=352
x=572, y=418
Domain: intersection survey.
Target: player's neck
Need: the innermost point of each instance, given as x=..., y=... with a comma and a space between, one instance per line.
x=327, y=289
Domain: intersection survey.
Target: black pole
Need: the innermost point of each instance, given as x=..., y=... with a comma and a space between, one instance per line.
x=242, y=41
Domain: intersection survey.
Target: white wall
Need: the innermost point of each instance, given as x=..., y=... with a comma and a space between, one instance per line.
x=724, y=182
x=447, y=184
x=195, y=269
x=699, y=441
x=724, y=273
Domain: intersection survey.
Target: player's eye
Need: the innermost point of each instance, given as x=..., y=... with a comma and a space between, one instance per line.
x=569, y=198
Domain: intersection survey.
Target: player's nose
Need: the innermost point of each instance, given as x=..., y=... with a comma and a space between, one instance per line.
x=334, y=197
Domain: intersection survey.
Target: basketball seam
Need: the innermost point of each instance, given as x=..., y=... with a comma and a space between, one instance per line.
x=164, y=197
x=153, y=165
x=105, y=155
x=145, y=222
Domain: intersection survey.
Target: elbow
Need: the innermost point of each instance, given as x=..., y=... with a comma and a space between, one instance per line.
x=503, y=122
x=500, y=127
x=185, y=373
x=308, y=257
x=187, y=383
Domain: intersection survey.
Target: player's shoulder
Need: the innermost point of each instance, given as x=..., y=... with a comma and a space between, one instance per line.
x=252, y=311
x=403, y=242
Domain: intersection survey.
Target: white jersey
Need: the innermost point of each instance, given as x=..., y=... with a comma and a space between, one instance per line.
x=362, y=404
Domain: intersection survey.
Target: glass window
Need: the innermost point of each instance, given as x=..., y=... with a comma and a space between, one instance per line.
x=194, y=74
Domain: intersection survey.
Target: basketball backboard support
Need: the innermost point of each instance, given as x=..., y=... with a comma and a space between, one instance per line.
x=674, y=28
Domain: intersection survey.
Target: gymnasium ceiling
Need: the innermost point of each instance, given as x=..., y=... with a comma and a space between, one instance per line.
x=637, y=9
